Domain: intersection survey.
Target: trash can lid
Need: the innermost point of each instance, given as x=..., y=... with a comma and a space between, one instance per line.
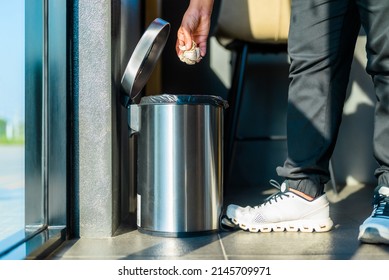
x=145, y=57
x=184, y=99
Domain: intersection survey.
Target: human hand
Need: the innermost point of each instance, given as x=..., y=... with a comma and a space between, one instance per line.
x=193, y=33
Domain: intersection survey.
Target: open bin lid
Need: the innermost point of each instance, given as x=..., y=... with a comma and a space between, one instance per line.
x=145, y=57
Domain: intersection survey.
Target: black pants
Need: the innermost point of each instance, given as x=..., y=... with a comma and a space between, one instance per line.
x=321, y=42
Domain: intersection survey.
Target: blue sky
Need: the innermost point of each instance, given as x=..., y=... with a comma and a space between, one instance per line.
x=12, y=59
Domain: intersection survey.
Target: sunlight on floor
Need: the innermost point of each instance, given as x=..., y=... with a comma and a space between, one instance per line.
x=352, y=186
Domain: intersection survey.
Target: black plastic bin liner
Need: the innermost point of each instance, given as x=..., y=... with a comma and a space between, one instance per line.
x=184, y=100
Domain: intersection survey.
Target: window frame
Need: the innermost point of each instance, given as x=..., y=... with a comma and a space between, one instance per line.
x=47, y=149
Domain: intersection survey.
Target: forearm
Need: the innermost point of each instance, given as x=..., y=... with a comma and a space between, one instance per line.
x=204, y=7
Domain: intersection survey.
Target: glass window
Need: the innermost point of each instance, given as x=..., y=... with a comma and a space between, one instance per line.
x=12, y=122
x=33, y=126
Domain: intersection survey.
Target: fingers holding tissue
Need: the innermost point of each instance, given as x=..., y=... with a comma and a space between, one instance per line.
x=191, y=56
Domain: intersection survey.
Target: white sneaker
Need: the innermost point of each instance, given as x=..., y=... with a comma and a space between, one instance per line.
x=284, y=210
x=375, y=229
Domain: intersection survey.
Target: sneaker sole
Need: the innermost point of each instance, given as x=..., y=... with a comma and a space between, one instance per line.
x=373, y=235
x=291, y=226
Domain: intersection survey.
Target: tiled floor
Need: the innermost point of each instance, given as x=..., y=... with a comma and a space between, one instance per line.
x=348, y=209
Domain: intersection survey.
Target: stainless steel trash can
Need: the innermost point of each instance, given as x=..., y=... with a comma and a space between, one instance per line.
x=180, y=152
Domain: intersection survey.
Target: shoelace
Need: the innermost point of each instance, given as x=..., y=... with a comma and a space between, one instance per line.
x=278, y=195
x=381, y=205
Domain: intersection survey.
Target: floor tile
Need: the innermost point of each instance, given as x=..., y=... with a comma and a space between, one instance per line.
x=348, y=209
x=136, y=245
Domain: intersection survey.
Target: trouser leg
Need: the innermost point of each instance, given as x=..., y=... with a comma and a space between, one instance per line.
x=375, y=21
x=321, y=46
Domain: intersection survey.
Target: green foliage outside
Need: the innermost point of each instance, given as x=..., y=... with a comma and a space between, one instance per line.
x=17, y=135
